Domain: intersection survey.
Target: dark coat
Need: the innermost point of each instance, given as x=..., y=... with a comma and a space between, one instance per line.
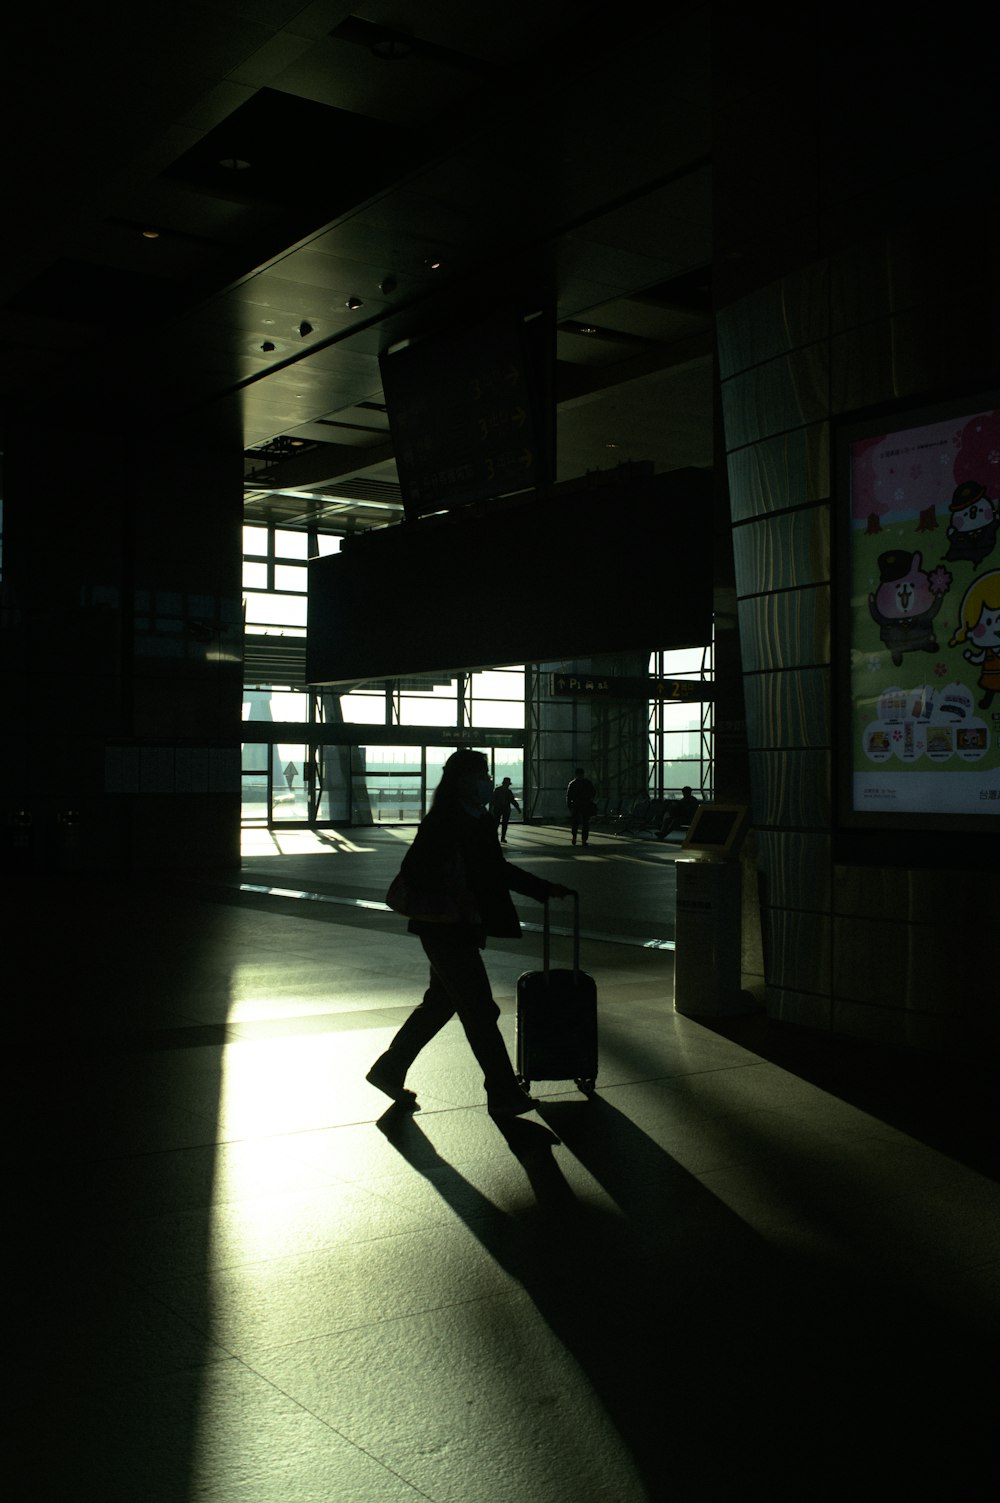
x=580, y=795
x=489, y=877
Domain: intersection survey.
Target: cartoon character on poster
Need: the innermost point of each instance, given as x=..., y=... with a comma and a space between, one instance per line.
x=975, y=520
x=925, y=638
x=906, y=602
x=980, y=626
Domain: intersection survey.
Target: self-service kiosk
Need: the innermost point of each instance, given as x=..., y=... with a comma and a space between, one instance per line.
x=708, y=941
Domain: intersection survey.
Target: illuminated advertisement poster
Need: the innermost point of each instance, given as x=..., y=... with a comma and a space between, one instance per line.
x=924, y=618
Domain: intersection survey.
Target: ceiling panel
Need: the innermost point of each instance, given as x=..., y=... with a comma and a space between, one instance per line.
x=554, y=151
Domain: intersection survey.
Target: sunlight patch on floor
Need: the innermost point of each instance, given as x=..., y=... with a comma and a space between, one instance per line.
x=258, y=842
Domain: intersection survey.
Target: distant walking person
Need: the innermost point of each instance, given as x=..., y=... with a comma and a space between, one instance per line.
x=580, y=796
x=680, y=812
x=501, y=803
x=455, y=886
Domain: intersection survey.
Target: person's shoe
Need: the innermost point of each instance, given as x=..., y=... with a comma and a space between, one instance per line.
x=514, y=1105
x=391, y=1085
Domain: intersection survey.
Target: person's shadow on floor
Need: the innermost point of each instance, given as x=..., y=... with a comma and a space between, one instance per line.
x=717, y=1354
x=589, y=1271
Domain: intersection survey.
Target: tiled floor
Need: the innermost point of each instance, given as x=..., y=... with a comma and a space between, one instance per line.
x=747, y=1266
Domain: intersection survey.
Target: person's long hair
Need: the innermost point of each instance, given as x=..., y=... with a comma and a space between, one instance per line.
x=461, y=769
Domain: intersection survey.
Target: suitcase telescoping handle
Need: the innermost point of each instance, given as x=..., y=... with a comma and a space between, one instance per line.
x=576, y=933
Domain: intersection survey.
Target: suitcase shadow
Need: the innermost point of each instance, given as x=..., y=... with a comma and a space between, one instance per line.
x=657, y=1196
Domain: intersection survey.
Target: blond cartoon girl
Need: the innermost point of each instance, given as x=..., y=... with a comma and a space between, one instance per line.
x=980, y=624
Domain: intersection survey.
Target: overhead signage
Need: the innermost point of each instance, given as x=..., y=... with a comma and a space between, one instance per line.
x=463, y=409
x=620, y=686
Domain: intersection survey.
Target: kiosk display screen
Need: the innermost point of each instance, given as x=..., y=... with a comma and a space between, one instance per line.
x=716, y=828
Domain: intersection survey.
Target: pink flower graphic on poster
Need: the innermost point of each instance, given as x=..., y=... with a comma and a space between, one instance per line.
x=864, y=478
x=978, y=456
x=907, y=474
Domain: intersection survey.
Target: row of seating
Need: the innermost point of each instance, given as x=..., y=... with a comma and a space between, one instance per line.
x=639, y=818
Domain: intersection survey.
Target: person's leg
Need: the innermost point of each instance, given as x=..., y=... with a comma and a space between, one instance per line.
x=427, y=1019
x=574, y=824
x=459, y=970
x=585, y=827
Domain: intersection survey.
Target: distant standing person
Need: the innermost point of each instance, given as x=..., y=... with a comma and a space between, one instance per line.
x=680, y=812
x=501, y=803
x=580, y=796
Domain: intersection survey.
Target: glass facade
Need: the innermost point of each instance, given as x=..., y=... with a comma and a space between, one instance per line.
x=321, y=756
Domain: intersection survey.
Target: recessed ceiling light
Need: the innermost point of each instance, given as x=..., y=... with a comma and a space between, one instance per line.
x=433, y=263
x=150, y=234
x=354, y=303
x=233, y=164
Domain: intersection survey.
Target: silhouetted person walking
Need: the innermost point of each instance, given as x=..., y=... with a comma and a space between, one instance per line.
x=580, y=796
x=501, y=803
x=455, y=866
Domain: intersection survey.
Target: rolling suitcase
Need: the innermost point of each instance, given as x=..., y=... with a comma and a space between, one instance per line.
x=555, y=1027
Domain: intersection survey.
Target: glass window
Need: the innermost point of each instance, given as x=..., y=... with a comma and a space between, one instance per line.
x=389, y=758
x=254, y=576
x=276, y=610
x=290, y=544
x=363, y=709
x=254, y=810
x=437, y=756
x=426, y=710
x=498, y=683
x=326, y=544
x=291, y=577
x=681, y=662
x=288, y=704
x=255, y=541
x=289, y=798
x=503, y=714
x=508, y=762
x=496, y=697
x=681, y=717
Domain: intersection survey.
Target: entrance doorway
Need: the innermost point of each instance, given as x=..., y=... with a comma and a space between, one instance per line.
x=318, y=785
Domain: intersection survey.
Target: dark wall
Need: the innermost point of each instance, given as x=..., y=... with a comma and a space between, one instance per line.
x=848, y=154
x=122, y=661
